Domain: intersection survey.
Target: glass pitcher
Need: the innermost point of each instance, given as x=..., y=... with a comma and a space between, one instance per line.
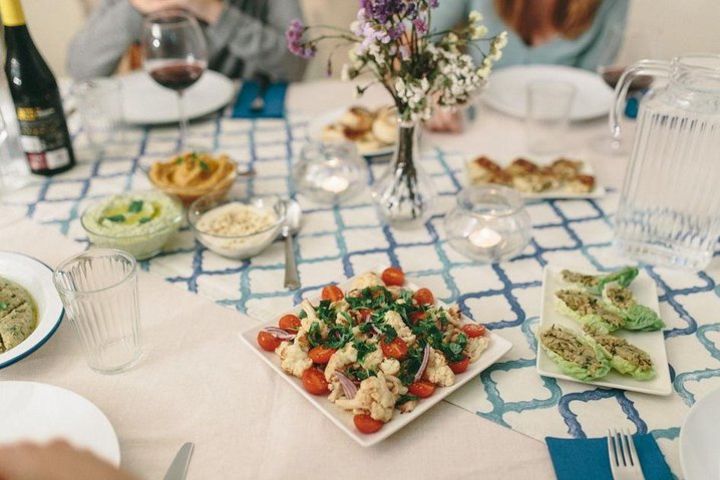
x=669, y=211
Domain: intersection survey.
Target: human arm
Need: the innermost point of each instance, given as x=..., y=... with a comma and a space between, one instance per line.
x=261, y=46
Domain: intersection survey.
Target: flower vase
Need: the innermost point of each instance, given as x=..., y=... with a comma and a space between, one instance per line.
x=404, y=194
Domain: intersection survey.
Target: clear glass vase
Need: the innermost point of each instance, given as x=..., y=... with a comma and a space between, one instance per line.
x=404, y=194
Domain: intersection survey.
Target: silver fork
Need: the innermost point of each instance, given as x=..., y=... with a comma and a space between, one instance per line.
x=624, y=460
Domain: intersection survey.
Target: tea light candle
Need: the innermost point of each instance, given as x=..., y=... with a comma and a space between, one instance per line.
x=335, y=184
x=485, y=238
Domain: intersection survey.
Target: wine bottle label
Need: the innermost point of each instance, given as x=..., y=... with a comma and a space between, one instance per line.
x=42, y=136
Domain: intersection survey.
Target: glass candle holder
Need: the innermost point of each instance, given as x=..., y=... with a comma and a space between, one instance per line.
x=330, y=172
x=488, y=224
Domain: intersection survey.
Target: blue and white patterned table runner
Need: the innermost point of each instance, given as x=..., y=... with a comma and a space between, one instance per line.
x=342, y=241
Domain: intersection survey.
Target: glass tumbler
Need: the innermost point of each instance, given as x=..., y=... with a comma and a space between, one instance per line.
x=548, y=105
x=100, y=293
x=99, y=103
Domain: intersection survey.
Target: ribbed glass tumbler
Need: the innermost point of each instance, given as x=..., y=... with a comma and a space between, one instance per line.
x=100, y=293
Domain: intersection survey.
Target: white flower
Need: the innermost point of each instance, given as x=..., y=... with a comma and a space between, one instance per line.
x=501, y=40
x=475, y=17
x=345, y=73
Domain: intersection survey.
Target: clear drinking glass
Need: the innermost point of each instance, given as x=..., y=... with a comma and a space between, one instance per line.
x=669, y=203
x=100, y=293
x=176, y=55
x=14, y=170
x=100, y=106
x=548, y=105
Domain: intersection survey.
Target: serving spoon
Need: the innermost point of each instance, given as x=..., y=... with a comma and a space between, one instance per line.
x=293, y=219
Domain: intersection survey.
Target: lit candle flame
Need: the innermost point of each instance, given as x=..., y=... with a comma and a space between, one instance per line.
x=485, y=238
x=335, y=184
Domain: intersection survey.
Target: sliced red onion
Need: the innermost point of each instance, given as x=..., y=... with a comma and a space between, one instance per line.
x=377, y=330
x=423, y=365
x=349, y=388
x=279, y=333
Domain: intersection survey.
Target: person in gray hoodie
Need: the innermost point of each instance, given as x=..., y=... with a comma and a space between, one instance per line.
x=245, y=37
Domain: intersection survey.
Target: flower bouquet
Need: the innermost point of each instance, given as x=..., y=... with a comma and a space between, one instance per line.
x=393, y=44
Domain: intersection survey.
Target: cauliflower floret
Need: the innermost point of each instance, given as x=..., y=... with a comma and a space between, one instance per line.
x=408, y=406
x=372, y=360
x=395, y=385
x=454, y=316
x=395, y=320
x=374, y=397
x=336, y=390
x=343, y=357
x=390, y=366
x=369, y=279
x=438, y=371
x=293, y=359
x=476, y=346
x=340, y=307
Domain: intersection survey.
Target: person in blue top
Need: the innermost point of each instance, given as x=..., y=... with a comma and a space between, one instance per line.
x=577, y=33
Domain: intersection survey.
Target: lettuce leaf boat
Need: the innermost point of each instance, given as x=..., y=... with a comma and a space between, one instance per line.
x=587, y=310
x=594, y=284
x=623, y=356
x=621, y=301
x=579, y=357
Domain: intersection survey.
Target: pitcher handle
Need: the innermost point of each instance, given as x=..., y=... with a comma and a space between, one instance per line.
x=655, y=68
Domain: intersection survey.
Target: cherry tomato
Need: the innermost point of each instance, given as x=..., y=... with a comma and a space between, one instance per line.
x=421, y=388
x=314, y=382
x=321, y=354
x=424, y=297
x=396, y=349
x=267, y=341
x=473, y=330
x=461, y=366
x=393, y=276
x=415, y=317
x=332, y=293
x=290, y=322
x=367, y=424
x=364, y=314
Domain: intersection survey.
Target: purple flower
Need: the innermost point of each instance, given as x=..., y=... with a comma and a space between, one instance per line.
x=433, y=3
x=421, y=25
x=294, y=37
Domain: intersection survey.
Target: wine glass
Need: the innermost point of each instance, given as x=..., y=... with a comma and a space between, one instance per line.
x=175, y=54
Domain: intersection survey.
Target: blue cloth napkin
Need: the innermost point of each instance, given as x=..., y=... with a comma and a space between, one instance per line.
x=274, y=101
x=588, y=459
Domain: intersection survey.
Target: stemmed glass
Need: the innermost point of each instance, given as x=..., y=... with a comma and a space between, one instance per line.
x=175, y=55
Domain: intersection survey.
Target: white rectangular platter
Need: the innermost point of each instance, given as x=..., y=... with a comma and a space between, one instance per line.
x=598, y=192
x=645, y=291
x=343, y=419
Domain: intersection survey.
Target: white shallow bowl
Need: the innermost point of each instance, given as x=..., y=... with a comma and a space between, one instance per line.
x=38, y=412
x=147, y=103
x=343, y=419
x=36, y=278
x=506, y=90
x=700, y=440
x=645, y=291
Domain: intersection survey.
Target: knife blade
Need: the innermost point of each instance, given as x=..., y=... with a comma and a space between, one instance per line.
x=179, y=466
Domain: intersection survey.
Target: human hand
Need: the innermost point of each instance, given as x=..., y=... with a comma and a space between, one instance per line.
x=207, y=10
x=445, y=121
x=57, y=460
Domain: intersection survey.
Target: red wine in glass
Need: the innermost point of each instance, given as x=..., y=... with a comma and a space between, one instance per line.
x=177, y=76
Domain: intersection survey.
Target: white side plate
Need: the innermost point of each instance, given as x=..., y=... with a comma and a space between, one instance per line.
x=36, y=278
x=643, y=287
x=147, y=103
x=344, y=420
x=506, y=90
x=699, y=440
x=38, y=412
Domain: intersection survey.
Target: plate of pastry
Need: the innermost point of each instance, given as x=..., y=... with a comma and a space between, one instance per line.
x=374, y=132
x=560, y=178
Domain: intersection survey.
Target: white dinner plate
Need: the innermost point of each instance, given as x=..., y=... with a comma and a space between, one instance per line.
x=645, y=291
x=38, y=412
x=598, y=192
x=147, y=103
x=700, y=440
x=317, y=125
x=506, y=89
x=343, y=419
x=36, y=278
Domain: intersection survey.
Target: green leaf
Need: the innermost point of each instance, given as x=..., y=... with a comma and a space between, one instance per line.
x=204, y=166
x=135, y=206
x=3, y=305
x=116, y=218
x=359, y=374
x=302, y=314
x=326, y=312
x=405, y=398
x=144, y=220
x=338, y=336
x=363, y=349
x=314, y=336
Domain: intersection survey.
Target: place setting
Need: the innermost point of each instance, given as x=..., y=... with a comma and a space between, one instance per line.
x=362, y=275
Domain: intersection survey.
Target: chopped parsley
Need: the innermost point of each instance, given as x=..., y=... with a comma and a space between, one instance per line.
x=136, y=206
x=363, y=349
x=314, y=336
x=144, y=220
x=405, y=398
x=3, y=305
x=359, y=374
x=326, y=312
x=338, y=336
x=204, y=166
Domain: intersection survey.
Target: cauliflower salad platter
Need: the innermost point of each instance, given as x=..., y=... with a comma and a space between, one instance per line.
x=603, y=328
x=375, y=353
